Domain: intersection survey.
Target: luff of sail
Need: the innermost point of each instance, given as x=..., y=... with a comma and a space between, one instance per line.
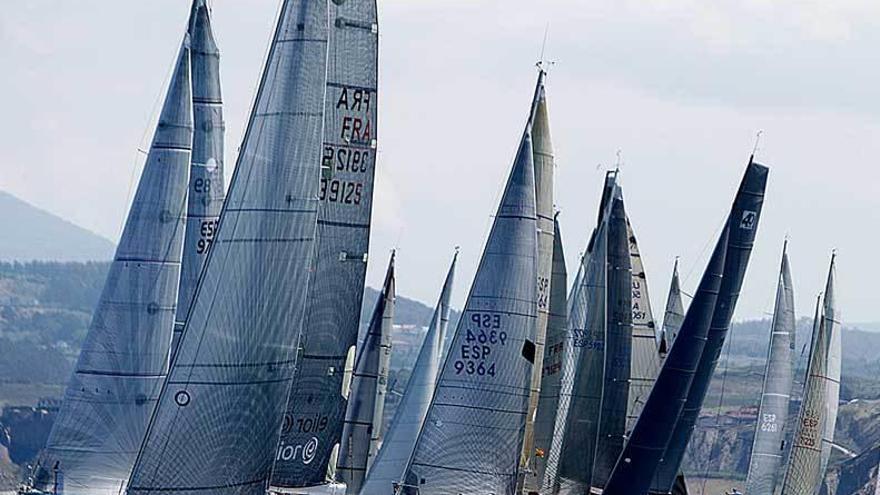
x=831, y=316
x=472, y=436
x=220, y=410
x=645, y=350
x=743, y=227
x=618, y=347
x=206, y=182
x=770, y=429
x=542, y=150
x=548, y=402
x=674, y=314
x=111, y=395
x=316, y=407
x=363, y=419
x=389, y=467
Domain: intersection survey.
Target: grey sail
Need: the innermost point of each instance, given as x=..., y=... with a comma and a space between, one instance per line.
x=570, y=459
x=388, y=470
x=218, y=416
x=316, y=407
x=472, y=436
x=124, y=358
x=767, y=450
x=548, y=403
x=652, y=455
x=674, y=315
x=613, y=413
x=645, y=350
x=206, y=182
x=831, y=316
x=542, y=152
x=743, y=226
x=363, y=419
x=804, y=473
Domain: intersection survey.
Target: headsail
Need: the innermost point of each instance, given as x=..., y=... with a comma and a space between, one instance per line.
x=831, y=315
x=220, y=411
x=316, y=407
x=124, y=358
x=206, y=182
x=645, y=349
x=363, y=419
x=390, y=465
x=471, y=439
x=674, y=315
x=542, y=153
x=770, y=429
x=548, y=403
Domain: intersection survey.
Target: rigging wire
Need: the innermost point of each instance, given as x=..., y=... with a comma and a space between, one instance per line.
x=717, y=427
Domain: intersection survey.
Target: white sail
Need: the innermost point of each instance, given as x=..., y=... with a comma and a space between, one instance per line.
x=831, y=316
x=389, y=467
x=674, y=315
x=363, y=419
x=217, y=420
x=206, y=183
x=472, y=436
x=124, y=358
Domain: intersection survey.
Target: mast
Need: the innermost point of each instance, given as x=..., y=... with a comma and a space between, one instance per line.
x=686, y=372
x=124, y=358
x=363, y=419
x=674, y=315
x=743, y=224
x=206, y=181
x=390, y=465
x=218, y=416
x=770, y=429
x=645, y=350
x=336, y=290
x=471, y=439
x=542, y=157
x=548, y=402
x=613, y=412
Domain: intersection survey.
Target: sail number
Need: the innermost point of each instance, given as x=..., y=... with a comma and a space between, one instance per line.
x=341, y=191
x=206, y=235
x=809, y=434
x=582, y=338
x=344, y=159
x=482, y=336
x=768, y=423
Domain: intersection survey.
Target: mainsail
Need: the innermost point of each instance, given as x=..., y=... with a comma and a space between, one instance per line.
x=674, y=315
x=316, y=407
x=645, y=351
x=363, y=419
x=542, y=156
x=664, y=424
x=389, y=466
x=472, y=436
x=218, y=416
x=206, y=183
x=124, y=358
x=768, y=446
x=556, y=331
x=831, y=316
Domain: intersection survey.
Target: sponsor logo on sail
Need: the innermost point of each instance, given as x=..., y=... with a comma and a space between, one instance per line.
x=305, y=452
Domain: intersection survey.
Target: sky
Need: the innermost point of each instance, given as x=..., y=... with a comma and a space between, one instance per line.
x=679, y=87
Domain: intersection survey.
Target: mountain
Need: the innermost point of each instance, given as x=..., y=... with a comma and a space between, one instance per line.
x=30, y=233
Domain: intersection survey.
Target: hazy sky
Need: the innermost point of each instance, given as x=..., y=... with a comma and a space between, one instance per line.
x=680, y=86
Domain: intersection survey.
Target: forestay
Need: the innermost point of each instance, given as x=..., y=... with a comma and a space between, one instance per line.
x=363, y=419
x=316, y=407
x=770, y=429
x=220, y=411
x=389, y=467
x=124, y=358
x=472, y=435
x=206, y=182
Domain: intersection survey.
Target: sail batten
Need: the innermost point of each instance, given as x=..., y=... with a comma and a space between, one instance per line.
x=124, y=358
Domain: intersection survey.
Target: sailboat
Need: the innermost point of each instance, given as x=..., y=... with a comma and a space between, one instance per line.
x=206, y=181
x=316, y=408
x=817, y=418
x=651, y=458
x=472, y=436
x=387, y=471
x=215, y=427
x=362, y=429
x=767, y=450
x=124, y=358
x=674, y=314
